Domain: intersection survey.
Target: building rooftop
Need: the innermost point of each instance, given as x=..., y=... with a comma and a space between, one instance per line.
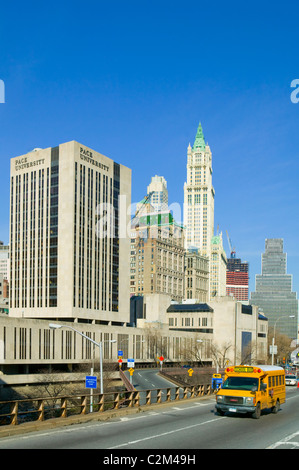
x=176, y=308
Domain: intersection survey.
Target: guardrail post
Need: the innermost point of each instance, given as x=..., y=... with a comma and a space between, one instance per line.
x=148, y=397
x=63, y=407
x=168, y=394
x=159, y=395
x=131, y=399
x=83, y=405
x=137, y=398
x=177, y=393
x=101, y=402
x=41, y=410
x=116, y=401
x=14, y=413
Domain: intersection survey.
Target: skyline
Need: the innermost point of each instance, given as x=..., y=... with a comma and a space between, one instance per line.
x=133, y=82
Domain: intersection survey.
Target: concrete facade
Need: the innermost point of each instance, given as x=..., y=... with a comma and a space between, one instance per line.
x=157, y=256
x=69, y=246
x=29, y=345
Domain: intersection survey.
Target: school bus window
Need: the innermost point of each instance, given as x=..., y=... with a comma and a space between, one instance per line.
x=241, y=383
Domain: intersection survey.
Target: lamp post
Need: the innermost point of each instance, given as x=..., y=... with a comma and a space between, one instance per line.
x=273, y=339
x=100, y=345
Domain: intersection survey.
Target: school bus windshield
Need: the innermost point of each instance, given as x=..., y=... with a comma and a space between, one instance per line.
x=241, y=383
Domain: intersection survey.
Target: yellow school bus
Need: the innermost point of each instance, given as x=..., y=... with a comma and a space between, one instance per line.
x=251, y=389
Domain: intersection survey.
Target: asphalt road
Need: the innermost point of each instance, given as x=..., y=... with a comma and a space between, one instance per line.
x=181, y=427
x=150, y=380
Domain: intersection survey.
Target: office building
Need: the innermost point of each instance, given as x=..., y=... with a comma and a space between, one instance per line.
x=158, y=194
x=273, y=290
x=69, y=246
x=157, y=256
x=237, y=279
x=199, y=196
x=218, y=262
x=4, y=260
x=196, y=276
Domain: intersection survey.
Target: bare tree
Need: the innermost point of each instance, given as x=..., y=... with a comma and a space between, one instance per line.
x=283, y=343
x=156, y=344
x=191, y=351
x=219, y=353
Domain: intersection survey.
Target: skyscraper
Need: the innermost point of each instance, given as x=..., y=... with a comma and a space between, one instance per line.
x=157, y=256
x=237, y=278
x=158, y=193
x=218, y=262
x=4, y=260
x=273, y=289
x=68, y=256
x=199, y=196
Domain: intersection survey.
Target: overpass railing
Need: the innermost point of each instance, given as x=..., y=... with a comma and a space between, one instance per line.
x=41, y=409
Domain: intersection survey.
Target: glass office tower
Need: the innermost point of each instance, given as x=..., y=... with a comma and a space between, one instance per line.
x=273, y=289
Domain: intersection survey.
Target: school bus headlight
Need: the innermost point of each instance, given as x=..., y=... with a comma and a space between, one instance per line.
x=249, y=400
x=219, y=398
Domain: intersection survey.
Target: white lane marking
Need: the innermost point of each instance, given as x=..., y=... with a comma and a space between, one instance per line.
x=287, y=441
x=155, y=436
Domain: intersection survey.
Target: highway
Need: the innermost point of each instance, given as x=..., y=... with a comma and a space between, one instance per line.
x=184, y=425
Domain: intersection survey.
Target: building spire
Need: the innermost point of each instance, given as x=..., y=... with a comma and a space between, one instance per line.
x=199, y=142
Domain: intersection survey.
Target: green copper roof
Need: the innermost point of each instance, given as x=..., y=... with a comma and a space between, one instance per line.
x=216, y=239
x=199, y=142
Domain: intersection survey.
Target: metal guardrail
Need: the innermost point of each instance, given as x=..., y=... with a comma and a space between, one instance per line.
x=129, y=386
x=41, y=409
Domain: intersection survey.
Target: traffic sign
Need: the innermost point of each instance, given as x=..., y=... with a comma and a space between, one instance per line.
x=216, y=381
x=131, y=370
x=190, y=372
x=120, y=352
x=90, y=381
x=120, y=360
x=161, y=358
x=130, y=363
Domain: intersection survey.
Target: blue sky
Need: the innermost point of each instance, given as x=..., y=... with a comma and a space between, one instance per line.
x=133, y=79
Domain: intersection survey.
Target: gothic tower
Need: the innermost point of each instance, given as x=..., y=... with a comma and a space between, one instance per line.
x=199, y=196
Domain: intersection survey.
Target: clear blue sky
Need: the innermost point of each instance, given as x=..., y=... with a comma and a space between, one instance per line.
x=133, y=79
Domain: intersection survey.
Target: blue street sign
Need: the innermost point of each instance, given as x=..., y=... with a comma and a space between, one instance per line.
x=130, y=363
x=216, y=382
x=90, y=381
x=120, y=352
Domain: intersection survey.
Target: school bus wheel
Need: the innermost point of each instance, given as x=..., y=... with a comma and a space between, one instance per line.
x=276, y=408
x=257, y=412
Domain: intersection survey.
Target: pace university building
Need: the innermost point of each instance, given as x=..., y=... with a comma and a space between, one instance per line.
x=68, y=220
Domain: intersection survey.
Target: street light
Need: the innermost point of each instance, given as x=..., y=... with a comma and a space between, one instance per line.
x=100, y=345
x=273, y=339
